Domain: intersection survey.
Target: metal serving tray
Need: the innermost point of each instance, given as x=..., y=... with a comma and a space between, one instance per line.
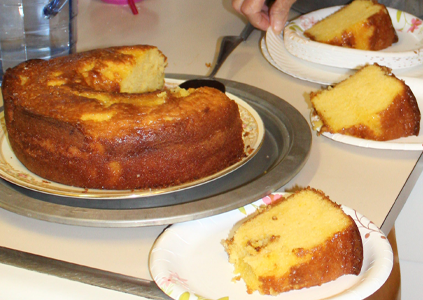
x=284, y=152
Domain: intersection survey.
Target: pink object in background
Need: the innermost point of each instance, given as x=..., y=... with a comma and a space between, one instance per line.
x=119, y=2
x=131, y=3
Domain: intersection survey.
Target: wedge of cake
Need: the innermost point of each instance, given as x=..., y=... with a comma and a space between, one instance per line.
x=300, y=241
x=363, y=24
x=371, y=104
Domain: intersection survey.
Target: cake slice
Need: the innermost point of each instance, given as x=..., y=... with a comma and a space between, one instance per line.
x=371, y=104
x=363, y=24
x=300, y=241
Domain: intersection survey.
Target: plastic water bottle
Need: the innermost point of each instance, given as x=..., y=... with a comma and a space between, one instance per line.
x=36, y=29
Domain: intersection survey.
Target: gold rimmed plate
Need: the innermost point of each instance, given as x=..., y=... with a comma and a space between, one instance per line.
x=12, y=170
x=284, y=151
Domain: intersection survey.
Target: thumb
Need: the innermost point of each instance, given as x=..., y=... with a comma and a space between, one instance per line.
x=279, y=14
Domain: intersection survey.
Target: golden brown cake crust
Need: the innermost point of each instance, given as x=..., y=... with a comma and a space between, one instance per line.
x=142, y=143
x=384, y=34
x=401, y=119
x=344, y=249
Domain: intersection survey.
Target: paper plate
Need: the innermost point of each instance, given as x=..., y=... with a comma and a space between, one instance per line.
x=188, y=261
x=406, y=53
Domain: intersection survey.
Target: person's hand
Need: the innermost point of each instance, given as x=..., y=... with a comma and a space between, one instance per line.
x=261, y=17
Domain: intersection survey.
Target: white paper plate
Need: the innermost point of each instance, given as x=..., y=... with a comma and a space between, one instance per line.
x=407, y=143
x=298, y=68
x=12, y=170
x=188, y=262
x=406, y=53
x=273, y=49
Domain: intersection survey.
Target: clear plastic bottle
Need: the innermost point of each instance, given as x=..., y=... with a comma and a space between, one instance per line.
x=28, y=30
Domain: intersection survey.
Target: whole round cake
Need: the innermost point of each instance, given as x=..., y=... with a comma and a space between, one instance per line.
x=104, y=119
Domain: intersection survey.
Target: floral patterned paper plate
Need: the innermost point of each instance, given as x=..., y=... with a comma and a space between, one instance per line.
x=188, y=261
x=12, y=170
x=406, y=53
x=305, y=70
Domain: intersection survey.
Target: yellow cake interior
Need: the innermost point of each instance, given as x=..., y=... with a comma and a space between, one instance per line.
x=142, y=72
x=358, y=100
x=147, y=76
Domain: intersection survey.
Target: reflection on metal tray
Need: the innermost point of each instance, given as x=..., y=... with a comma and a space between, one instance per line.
x=284, y=151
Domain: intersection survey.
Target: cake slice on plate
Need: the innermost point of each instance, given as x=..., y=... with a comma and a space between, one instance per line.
x=363, y=24
x=371, y=104
x=300, y=241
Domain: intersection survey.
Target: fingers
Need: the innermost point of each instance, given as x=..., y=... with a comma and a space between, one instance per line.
x=279, y=14
x=258, y=16
x=255, y=11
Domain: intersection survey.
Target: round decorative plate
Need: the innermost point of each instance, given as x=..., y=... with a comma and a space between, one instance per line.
x=273, y=49
x=406, y=53
x=284, y=151
x=188, y=261
x=12, y=170
x=410, y=143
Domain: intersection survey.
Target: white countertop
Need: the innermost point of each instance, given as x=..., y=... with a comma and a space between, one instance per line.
x=187, y=31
